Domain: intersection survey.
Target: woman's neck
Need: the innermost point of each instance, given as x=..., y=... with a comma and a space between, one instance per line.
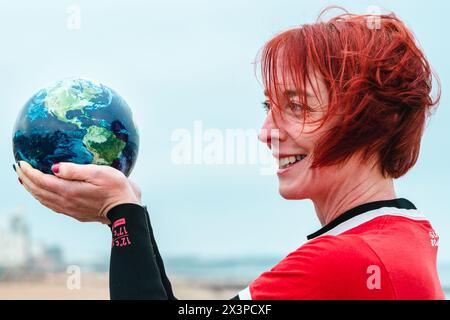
x=353, y=190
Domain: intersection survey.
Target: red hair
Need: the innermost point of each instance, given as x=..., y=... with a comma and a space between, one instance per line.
x=379, y=84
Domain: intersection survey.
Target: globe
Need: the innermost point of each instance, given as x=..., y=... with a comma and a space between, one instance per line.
x=79, y=121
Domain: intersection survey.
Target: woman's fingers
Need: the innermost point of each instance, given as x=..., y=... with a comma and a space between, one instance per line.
x=84, y=192
x=32, y=185
x=56, y=194
x=80, y=172
x=38, y=180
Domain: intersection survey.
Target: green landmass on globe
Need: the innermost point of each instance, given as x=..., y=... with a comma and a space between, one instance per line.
x=79, y=121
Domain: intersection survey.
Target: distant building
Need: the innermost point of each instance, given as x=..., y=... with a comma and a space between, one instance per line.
x=20, y=255
x=14, y=242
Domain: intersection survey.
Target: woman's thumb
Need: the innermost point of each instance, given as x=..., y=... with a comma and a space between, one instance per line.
x=72, y=171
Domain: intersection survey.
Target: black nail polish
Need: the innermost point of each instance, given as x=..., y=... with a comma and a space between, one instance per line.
x=14, y=167
x=19, y=164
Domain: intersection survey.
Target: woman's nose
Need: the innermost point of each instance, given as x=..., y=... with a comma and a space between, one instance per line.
x=270, y=133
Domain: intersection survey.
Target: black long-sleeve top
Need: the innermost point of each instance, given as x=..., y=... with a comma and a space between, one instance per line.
x=136, y=267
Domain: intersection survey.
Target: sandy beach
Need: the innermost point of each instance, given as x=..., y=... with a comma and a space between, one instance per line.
x=95, y=287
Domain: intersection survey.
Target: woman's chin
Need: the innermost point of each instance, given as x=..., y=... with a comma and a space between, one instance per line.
x=290, y=193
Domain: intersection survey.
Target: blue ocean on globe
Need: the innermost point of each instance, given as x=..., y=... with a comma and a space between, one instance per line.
x=79, y=121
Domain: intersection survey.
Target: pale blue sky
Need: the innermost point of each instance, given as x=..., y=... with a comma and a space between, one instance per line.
x=180, y=61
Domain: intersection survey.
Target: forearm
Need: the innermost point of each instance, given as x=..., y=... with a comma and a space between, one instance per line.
x=135, y=263
x=164, y=279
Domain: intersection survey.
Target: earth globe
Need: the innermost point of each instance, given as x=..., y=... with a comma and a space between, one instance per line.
x=79, y=121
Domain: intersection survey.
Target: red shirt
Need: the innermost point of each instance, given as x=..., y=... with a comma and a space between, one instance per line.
x=379, y=250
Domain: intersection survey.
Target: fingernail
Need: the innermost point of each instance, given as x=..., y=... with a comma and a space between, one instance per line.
x=19, y=164
x=55, y=168
x=14, y=167
x=20, y=181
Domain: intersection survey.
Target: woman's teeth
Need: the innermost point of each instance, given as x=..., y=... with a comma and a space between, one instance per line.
x=287, y=161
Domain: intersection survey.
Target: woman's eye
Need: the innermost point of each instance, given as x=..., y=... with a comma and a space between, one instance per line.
x=295, y=107
x=266, y=106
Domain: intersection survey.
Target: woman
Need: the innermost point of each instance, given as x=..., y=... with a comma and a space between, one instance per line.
x=346, y=105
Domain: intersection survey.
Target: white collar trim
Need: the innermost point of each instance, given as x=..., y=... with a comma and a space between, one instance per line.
x=358, y=220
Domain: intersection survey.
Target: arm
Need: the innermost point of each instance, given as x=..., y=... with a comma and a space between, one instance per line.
x=165, y=280
x=136, y=267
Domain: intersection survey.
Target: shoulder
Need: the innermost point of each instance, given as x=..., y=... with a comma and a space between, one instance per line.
x=328, y=256
x=328, y=267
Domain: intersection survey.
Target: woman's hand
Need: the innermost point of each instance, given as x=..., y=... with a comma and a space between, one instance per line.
x=84, y=192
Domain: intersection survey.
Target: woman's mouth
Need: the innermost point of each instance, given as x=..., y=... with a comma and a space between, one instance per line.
x=286, y=163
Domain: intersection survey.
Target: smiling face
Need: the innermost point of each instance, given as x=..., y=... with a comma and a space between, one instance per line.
x=342, y=124
x=292, y=129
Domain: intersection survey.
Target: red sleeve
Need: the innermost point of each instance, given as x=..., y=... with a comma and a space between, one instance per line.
x=329, y=267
